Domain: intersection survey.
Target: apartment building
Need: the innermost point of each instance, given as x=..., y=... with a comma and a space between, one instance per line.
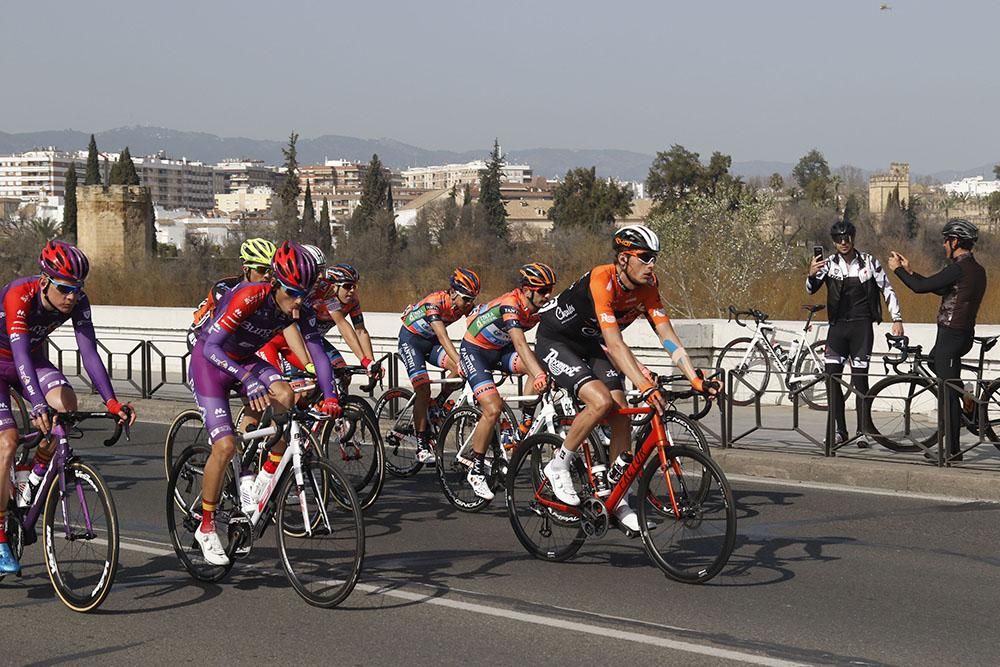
x=231, y=176
x=440, y=177
x=38, y=174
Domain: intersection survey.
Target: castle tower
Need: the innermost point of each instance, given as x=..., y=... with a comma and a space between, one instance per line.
x=881, y=187
x=115, y=224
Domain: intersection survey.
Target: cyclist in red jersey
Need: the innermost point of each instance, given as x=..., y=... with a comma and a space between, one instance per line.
x=580, y=340
x=31, y=308
x=424, y=337
x=495, y=340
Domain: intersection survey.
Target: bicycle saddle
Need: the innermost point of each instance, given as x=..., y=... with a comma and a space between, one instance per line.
x=988, y=342
x=813, y=307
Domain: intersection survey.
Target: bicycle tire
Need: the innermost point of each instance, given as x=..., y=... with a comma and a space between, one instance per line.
x=394, y=424
x=15, y=532
x=892, y=399
x=672, y=511
x=81, y=586
x=339, y=524
x=184, y=512
x=746, y=381
x=180, y=432
x=362, y=458
x=683, y=431
x=456, y=436
x=545, y=532
x=991, y=401
x=814, y=395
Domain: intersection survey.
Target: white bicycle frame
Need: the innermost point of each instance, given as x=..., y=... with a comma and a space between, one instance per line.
x=765, y=332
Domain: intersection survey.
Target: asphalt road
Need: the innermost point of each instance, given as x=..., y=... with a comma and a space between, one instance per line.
x=818, y=577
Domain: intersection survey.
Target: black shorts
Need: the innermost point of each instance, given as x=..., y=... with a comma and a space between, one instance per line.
x=850, y=340
x=572, y=366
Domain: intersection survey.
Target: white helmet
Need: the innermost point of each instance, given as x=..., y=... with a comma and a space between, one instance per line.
x=636, y=237
x=317, y=254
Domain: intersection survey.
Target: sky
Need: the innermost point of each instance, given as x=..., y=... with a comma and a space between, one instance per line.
x=762, y=80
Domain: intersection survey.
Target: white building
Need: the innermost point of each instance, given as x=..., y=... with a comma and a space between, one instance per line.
x=449, y=175
x=173, y=227
x=975, y=186
x=176, y=184
x=35, y=175
x=245, y=201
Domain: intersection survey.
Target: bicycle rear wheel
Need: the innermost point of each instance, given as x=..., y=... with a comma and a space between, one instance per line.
x=354, y=444
x=813, y=364
x=747, y=370
x=454, y=460
x=903, y=413
x=324, y=564
x=991, y=403
x=394, y=411
x=80, y=538
x=184, y=513
x=187, y=429
x=542, y=525
x=687, y=517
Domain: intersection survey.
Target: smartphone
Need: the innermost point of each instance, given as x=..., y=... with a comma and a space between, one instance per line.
x=818, y=251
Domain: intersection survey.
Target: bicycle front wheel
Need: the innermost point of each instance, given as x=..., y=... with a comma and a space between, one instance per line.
x=187, y=429
x=544, y=526
x=323, y=564
x=454, y=460
x=687, y=516
x=394, y=411
x=748, y=370
x=80, y=537
x=903, y=413
x=353, y=442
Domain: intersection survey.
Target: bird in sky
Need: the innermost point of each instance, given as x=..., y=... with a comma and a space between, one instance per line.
x=885, y=8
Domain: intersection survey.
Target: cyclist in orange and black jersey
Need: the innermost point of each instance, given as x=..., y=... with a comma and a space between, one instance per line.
x=580, y=341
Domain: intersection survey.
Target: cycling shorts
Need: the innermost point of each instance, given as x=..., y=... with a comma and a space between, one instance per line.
x=478, y=365
x=49, y=378
x=850, y=340
x=416, y=351
x=572, y=366
x=211, y=390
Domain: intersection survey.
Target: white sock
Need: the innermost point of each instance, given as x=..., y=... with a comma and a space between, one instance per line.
x=562, y=458
x=622, y=503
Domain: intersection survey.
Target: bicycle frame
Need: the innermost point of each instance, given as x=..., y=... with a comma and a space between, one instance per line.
x=764, y=332
x=57, y=467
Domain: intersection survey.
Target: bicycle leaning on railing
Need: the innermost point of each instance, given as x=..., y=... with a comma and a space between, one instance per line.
x=687, y=516
x=79, y=520
x=748, y=360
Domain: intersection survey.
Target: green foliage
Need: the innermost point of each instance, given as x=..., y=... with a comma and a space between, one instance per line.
x=490, y=199
x=678, y=174
x=68, y=230
x=852, y=209
x=123, y=171
x=115, y=178
x=375, y=195
x=325, y=241
x=21, y=239
x=285, y=207
x=93, y=173
x=996, y=171
x=583, y=200
x=309, y=229
x=776, y=182
x=812, y=173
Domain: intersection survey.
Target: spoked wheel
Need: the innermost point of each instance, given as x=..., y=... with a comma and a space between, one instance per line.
x=991, y=401
x=687, y=517
x=454, y=460
x=747, y=370
x=323, y=564
x=353, y=443
x=80, y=538
x=545, y=527
x=184, y=513
x=682, y=431
x=811, y=364
x=394, y=411
x=187, y=429
x=903, y=413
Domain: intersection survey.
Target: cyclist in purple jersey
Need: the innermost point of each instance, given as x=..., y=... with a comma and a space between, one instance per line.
x=250, y=315
x=32, y=308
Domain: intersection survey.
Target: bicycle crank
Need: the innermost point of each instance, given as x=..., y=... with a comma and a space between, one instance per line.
x=594, y=517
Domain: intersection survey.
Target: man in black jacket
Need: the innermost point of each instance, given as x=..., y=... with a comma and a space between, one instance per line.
x=855, y=285
x=961, y=286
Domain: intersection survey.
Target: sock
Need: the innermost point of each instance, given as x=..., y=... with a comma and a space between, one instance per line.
x=478, y=463
x=208, y=515
x=425, y=438
x=3, y=525
x=563, y=458
x=271, y=464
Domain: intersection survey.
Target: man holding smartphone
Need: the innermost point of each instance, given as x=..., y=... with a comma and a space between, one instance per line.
x=853, y=281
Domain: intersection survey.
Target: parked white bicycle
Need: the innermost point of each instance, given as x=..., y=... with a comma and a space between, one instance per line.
x=748, y=361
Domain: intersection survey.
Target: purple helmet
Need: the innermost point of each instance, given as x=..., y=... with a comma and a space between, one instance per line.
x=63, y=261
x=295, y=266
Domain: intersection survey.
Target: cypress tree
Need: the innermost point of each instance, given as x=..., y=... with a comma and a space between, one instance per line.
x=93, y=173
x=324, y=236
x=116, y=173
x=129, y=176
x=285, y=206
x=69, y=209
x=374, y=194
x=309, y=217
x=490, y=199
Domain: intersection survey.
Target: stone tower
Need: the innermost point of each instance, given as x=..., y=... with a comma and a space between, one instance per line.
x=881, y=186
x=115, y=224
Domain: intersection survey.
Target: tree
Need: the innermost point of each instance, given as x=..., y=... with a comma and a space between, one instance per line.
x=996, y=171
x=309, y=230
x=678, y=173
x=490, y=198
x=115, y=178
x=129, y=174
x=375, y=195
x=324, y=237
x=812, y=173
x=93, y=173
x=776, y=182
x=68, y=230
x=285, y=207
x=993, y=207
x=583, y=200
x=852, y=209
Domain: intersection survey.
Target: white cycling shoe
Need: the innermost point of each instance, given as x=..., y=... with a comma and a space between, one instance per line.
x=629, y=520
x=479, y=485
x=211, y=547
x=562, y=485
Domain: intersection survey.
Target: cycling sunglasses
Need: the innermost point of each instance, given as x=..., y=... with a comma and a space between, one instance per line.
x=841, y=238
x=293, y=292
x=263, y=270
x=66, y=288
x=647, y=257
x=545, y=291
x=348, y=286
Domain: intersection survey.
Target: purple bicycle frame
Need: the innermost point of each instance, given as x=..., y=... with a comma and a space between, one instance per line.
x=62, y=454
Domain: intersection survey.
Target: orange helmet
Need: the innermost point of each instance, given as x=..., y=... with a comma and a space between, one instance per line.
x=537, y=276
x=465, y=282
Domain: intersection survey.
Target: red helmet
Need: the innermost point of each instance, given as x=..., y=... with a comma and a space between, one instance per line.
x=294, y=266
x=63, y=261
x=465, y=282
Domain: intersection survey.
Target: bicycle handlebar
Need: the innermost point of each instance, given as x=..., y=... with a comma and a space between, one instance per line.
x=736, y=314
x=72, y=418
x=672, y=396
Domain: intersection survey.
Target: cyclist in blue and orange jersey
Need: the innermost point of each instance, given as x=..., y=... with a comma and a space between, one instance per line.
x=424, y=338
x=580, y=341
x=495, y=341
x=32, y=308
x=247, y=317
x=256, y=255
